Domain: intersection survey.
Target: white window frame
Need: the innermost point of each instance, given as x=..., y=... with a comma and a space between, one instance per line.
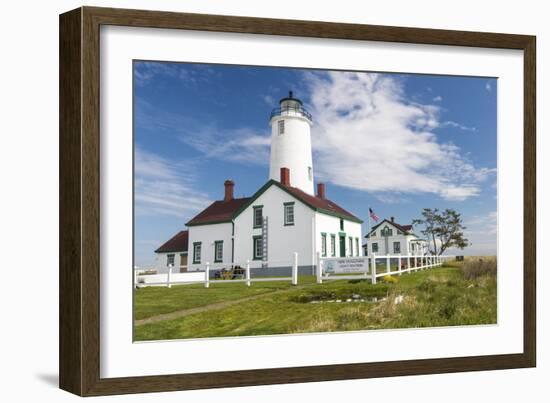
x=197, y=246
x=172, y=257
x=216, y=245
x=289, y=212
x=255, y=209
x=257, y=241
x=398, y=244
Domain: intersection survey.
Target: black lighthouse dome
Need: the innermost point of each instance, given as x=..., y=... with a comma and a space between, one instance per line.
x=290, y=106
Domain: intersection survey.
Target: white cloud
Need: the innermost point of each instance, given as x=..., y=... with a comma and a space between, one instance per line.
x=268, y=99
x=244, y=146
x=481, y=231
x=450, y=123
x=144, y=72
x=368, y=136
x=164, y=187
x=438, y=98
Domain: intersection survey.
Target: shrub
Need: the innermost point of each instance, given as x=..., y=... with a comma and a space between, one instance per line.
x=427, y=286
x=390, y=279
x=479, y=267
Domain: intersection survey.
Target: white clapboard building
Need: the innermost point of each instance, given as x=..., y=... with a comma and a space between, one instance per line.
x=284, y=216
x=390, y=238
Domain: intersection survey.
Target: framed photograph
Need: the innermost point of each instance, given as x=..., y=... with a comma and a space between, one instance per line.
x=248, y=201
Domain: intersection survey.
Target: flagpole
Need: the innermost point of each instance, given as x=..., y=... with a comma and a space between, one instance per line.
x=368, y=231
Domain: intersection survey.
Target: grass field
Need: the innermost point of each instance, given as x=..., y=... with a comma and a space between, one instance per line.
x=436, y=297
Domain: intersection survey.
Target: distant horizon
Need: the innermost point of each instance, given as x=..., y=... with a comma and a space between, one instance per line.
x=197, y=125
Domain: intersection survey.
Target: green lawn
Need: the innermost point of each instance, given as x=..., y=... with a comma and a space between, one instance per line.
x=151, y=301
x=436, y=297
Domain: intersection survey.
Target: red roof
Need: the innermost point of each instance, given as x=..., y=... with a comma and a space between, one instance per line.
x=225, y=210
x=219, y=211
x=404, y=228
x=324, y=205
x=178, y=243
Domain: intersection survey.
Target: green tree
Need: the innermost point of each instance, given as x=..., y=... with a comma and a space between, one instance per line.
x=444, y=229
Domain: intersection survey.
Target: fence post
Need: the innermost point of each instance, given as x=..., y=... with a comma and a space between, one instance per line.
x=409, y=263
x=399, y=263
x=135, y=278
x=388, y=268
x=207, y=275
x=248, y=273
x=373, y=269
x=169, y=277
x=295, y=269
x=318, y=269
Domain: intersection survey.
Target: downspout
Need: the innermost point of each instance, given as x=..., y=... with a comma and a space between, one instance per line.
x=313, y=243
x=232, y=243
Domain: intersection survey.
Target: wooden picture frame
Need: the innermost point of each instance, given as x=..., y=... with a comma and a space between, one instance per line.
x=80, y=187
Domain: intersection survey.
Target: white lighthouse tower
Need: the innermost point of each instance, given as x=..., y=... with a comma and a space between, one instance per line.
x=291, y=143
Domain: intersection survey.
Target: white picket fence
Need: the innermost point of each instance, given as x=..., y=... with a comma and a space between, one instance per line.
x=367, y=266
x=203, y=276
x=364, y=267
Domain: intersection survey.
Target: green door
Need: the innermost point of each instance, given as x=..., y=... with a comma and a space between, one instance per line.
x=342, y=246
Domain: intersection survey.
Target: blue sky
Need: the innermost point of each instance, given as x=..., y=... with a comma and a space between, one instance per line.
x=394, y=142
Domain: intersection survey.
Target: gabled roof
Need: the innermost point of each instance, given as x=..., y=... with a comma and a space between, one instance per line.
x=218, y=212
x=406, y=229
x=178, y=243
x=224, y=211
x=324, y=206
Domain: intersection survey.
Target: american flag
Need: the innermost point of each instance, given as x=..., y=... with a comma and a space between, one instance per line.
x=373, y=215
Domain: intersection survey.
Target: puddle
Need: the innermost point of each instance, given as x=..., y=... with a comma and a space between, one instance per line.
x=333, y=298
x=349, y=300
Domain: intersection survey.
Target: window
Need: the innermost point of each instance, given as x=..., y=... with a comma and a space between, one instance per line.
x=324, y=244
x=258, y=216
x=350, y=246
x=281, y=124
x=170, y=259
x=310, y=173
x=397, y=247
x=197, y=252
x=375, y=247
x=257, y=245
x=386, y=231
x=289, y=213
x=333, y=245
x=341, y=224
x=356, y=246
x=218, y=251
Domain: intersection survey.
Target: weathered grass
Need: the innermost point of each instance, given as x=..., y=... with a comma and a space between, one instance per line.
x=437, y=297
x=483, y=266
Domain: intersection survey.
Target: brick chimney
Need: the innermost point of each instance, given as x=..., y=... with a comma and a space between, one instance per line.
x=229, y=185
x=321, y=190
x=285, y=176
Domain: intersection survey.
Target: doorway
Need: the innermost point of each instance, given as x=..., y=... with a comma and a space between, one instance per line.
x=342, y=246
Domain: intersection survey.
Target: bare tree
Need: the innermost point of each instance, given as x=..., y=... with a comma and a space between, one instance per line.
x=443, y=226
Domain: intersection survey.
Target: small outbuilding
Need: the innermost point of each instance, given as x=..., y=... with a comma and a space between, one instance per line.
x=173, y=252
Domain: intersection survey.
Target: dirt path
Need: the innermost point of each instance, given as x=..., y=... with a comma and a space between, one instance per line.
x=211, y=307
